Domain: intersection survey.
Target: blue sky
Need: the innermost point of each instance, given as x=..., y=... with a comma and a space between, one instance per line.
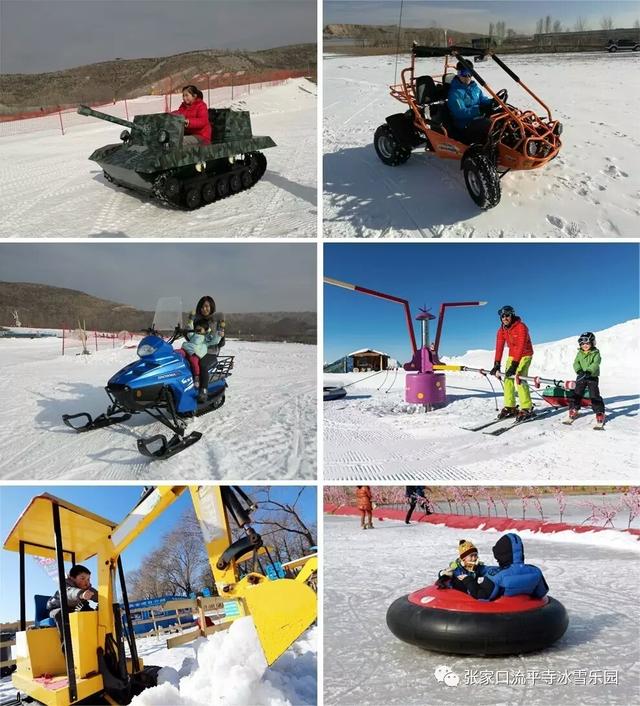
x=560, y=289
x=113, y=503
x=475, y=15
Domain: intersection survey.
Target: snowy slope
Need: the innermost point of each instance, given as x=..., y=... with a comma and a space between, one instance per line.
x=374, y=434
x=225, y=669
x=394, y=559
x=589, y=190
x=265, y=430
x=51, y=189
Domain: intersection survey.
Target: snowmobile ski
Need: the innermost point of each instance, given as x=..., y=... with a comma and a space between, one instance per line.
x=166, y=449
x=101, y=421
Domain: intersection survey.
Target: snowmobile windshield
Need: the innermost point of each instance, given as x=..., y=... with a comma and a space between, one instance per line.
x=168, y=314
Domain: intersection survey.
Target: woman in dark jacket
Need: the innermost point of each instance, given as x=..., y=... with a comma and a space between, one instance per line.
x=214, y=340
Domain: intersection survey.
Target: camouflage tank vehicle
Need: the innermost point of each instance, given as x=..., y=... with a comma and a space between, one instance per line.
x=152, y=158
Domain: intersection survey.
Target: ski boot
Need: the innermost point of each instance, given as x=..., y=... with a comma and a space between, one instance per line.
x=370, y=525
x=573, y=415
x=508, y=412
x=599, y=421
x=525, y=414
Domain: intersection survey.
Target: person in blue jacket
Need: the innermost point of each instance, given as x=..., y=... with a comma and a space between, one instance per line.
x=511, y=578
x=469, y=106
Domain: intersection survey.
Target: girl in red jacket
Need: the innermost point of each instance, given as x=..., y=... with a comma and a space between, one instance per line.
x=196, y=117
x=515, y=334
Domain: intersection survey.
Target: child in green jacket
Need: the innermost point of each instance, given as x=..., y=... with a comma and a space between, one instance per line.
x=587, y=367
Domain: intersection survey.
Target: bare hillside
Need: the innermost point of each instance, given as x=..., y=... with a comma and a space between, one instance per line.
x=129, y=78
x=43, y=306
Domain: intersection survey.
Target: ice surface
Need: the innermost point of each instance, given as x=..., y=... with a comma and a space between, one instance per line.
x=266, y=428
x=51, y=189
x=589, y=190
x=365, y=664
x=373, y=434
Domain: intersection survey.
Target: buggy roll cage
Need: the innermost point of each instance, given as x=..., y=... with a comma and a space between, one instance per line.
x=405, y=92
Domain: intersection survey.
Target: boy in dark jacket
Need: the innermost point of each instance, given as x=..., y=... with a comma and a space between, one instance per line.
x=415, y=494
x=587, y=368
x=465, y=566
x=79, y=593
x=511, y=578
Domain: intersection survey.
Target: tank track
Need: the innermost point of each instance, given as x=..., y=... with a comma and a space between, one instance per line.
x=205, y=189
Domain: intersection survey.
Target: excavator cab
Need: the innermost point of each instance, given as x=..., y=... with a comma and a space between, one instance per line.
x=63, y=669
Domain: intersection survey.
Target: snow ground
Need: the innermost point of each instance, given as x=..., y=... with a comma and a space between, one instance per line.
x=365, y=664
x=265, y=430
x=589, y=190
x=373, y=434
x=51, y=189
x=225, y=669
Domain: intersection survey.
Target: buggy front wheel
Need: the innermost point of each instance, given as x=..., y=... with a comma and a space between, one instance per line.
x=482, y=180
x=388, y=148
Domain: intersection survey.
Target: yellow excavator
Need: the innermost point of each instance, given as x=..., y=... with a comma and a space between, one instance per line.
x=91, y=665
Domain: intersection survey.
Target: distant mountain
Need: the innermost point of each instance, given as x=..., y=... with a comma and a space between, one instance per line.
x=129, y=78
x=43, y=306
x=387, y=35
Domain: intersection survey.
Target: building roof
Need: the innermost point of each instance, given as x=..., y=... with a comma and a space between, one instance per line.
x=366, y=350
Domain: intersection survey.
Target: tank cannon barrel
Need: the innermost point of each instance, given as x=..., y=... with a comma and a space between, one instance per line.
x=89, y=112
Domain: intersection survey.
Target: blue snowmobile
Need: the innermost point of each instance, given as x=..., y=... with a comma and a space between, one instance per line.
x=161, y=384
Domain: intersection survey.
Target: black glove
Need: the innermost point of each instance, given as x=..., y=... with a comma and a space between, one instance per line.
x=511, y=370
x=582, y=374
x=443, y=581
x=487, y=108
x=495, y=369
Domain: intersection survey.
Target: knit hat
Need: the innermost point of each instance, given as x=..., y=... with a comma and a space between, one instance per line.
x=465, y=548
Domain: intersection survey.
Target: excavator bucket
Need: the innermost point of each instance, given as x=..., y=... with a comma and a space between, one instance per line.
x=281, y=610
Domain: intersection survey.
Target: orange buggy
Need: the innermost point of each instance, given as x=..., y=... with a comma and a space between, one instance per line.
x=516, y=139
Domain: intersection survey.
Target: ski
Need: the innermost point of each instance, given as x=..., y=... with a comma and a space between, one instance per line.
x=599, y=426
x=569, y=421
x=486, y=424
x=540, y=415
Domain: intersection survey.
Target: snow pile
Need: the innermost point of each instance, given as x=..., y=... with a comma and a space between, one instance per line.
x=266, y=428
x=51, y=189
x=229, y=669
x=589, y=190
x=373, y=434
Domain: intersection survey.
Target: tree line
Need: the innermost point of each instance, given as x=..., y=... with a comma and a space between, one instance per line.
x=179, y=565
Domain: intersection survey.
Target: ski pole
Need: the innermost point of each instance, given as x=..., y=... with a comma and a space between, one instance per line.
x=536, y=380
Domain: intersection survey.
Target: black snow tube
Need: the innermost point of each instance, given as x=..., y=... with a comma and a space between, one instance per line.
x=333, y=393
x=447, y=620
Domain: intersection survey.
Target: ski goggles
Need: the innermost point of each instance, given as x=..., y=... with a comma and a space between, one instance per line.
x=585, y=341
x=505, y=316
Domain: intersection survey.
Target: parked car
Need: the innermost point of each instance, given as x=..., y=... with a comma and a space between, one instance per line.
x=622, y=45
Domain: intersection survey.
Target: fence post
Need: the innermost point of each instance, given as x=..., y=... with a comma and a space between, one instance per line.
x=95, y=335
x=126, y=109
x=60, y=116
x=63, y=332
x=208, y=90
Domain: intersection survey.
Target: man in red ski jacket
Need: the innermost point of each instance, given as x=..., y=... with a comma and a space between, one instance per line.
x=515, y=334
x=196, y=116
